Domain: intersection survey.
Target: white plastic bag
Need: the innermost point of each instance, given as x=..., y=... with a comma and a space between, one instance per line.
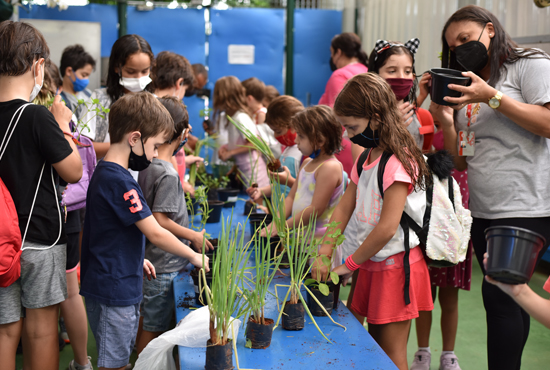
x=192, y=331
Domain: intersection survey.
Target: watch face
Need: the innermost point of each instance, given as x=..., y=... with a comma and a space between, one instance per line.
x=494, y=103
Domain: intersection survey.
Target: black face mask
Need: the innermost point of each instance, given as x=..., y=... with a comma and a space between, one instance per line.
x=472, y=56
x=189, y=92
x=366, y=139
x=332, y=65
x=138, y=162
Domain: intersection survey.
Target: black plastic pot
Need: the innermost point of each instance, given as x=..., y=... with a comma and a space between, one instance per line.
x=200, y=298
x=326, y=301
x=441, y=78
x=249, y=207
x=513, y=253
x=293, y=316
x=212, y=194
x=258, y=334
x=211, y=254
x=219, y=357
x=255, y=221
x=276, y=249
x=215, y=211
x=229, y=196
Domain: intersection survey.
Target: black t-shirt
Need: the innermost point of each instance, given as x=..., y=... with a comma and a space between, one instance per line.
x=37, y=139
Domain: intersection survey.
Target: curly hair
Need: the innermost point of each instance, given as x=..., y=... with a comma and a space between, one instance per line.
x=318, y=123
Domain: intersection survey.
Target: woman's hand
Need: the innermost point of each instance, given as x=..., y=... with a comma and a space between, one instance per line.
x=281, y=177
x=424, y=88
x=192, y=159
x=223, y=153
x=406, y=110
x=149, y=269
x=478, y=92
x=511, y=290
x=442, y=114
x=197, y=240
x=61, y=113
x=344, y=272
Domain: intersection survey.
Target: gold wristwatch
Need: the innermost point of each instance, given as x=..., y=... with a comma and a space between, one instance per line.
x=494, y=102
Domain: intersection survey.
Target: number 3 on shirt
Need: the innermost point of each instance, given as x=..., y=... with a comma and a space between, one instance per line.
x=136, y=203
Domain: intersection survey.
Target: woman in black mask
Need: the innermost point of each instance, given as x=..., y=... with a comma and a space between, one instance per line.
x=498, y=131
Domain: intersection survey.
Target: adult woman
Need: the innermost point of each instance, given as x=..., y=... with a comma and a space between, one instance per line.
x=347, y=59
x=510, y=170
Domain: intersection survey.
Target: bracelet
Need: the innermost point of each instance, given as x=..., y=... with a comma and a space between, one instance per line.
x=75, y=140
x=350, y=264
x=68, y=134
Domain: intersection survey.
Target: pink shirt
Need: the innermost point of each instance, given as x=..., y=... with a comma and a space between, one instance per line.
x=180, y=159
x=547, y=285
x=393, y=172
x=337, y=81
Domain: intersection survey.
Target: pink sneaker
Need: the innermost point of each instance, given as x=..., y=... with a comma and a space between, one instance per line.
x=448, y=362
x=422, y=360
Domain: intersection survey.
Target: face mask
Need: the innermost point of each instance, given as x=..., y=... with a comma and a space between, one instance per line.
x=401, y=87
x=366, y=139
x=138, y=162
x=315, y=154
x=182, y=143
x=189, y=92
x=79, y=84
x=36, y=89
x=332, y=65
x=135, y=84
x=287, y=139
x=472, y=56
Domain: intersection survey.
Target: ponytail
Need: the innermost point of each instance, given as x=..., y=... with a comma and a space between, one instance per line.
x=350, y=44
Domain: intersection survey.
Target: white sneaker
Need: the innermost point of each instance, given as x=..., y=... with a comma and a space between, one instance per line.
x=422, y=360
x=448, y=362
x=74, y=366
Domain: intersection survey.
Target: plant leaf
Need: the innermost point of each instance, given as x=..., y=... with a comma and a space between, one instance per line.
x=248, y=343
x=334, y=277
x=323, y=288
x=326, y=260
x=310, y=281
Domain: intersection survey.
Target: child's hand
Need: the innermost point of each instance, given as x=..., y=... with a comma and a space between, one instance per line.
x=223, y=153
x=424, y=87
x=254, y=193
x=196, y=261
x=149, y=269
x=282, y=177
x=319, y=270
x=344, y=272
x=61, y=113
x=269, y=228
x=187, y=188
x=511, y=290
x=197, y=242
x=192, y=159
x=442, y=114
x=406, y=109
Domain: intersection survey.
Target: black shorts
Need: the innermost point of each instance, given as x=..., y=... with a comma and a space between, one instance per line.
x=72, y=229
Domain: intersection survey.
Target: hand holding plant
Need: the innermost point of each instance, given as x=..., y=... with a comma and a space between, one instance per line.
x=199, y=239
x=200, y=260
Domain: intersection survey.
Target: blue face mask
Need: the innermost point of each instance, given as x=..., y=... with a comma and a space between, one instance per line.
x=315, y=154
x=79, y=84
x=182, y=143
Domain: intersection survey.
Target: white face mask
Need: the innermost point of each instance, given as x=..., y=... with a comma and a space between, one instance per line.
x=36, y=89
x=135, y=84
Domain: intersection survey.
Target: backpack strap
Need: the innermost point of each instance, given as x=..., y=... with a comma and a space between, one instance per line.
x=405, y=225
x=450, y=186
x=427, y=128
x=362, y=159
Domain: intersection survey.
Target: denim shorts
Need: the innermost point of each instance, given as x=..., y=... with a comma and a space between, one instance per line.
x=157, y=306
x=114, y=329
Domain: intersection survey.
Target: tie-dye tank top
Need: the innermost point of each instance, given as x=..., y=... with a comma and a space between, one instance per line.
x=304, y=196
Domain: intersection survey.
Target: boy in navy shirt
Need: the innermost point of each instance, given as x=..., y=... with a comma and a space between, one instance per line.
x=116, y=224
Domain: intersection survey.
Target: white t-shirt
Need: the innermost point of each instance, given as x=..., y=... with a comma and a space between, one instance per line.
x=509, y=175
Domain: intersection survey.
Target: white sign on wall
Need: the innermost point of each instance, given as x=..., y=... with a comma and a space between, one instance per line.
x=240, y=54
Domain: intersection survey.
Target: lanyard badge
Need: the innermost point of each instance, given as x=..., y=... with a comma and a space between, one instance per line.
x=466, y=139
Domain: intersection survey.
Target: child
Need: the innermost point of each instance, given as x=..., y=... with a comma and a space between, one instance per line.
x=117, y=221
x=36, y=148
x=395, y=63
x=320, y=181
x=279, y=117
x=255, y=94
x=449, y=280
x=129, y=68
x=229, y=97
x=76, y=67
x=271, y=93
x=164, y=194
x=368, y=110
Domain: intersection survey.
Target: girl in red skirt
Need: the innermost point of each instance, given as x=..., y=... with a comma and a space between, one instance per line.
x=367, y=108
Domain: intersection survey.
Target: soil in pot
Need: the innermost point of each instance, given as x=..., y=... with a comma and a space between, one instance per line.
x=229, y=196
x=326, y=301
x=200, y=299
x=293, y=316
x=215, y=211
x=219, y=357
x=258, y=334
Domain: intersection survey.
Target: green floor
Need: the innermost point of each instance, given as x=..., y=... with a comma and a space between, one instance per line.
x=470, y=343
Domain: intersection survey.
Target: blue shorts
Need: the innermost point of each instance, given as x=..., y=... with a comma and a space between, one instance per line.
x=157, y=306
x=114, y=329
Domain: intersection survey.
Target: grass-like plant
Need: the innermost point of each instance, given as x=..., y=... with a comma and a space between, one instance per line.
x=256, y=140
x=208, y=142
x=225, y=298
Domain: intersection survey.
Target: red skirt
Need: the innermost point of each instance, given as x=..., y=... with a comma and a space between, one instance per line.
x=379, y=290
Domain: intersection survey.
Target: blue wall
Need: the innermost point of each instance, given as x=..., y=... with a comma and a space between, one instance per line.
x=313, y=31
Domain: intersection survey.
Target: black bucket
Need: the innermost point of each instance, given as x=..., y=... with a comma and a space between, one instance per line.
x=258, y=334
x=215, y=211
x=200, y=298
x=293, y=316
x=441, y=78
x=513, y=253
x=229, y=196
x=219, y=357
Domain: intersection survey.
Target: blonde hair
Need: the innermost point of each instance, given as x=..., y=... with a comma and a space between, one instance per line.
x=229, y=96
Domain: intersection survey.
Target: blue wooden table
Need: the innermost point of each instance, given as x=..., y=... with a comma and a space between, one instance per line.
x=304, y=349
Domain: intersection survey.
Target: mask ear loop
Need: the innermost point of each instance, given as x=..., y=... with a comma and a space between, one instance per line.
x=479, y=38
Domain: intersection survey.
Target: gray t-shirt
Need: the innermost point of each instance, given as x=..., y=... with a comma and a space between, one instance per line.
x=162, y=189
x=509, y=175
x=414, y=130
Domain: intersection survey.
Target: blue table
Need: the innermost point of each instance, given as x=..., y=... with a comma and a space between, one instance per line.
x=305, y=349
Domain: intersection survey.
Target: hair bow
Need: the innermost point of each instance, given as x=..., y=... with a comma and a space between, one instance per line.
x=382, y=45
